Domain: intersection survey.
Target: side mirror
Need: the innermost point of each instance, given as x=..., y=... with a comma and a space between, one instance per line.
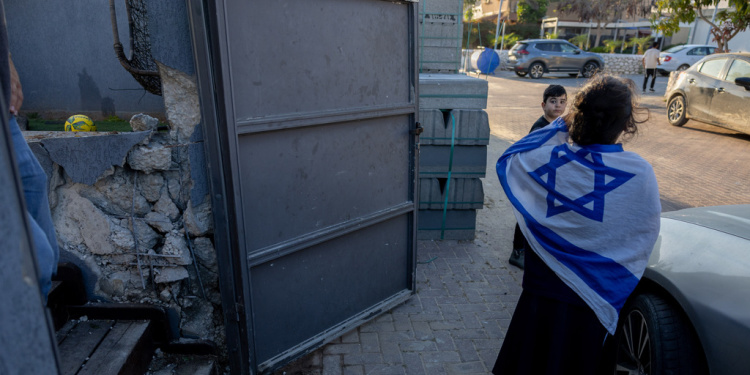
x=743, y=81
x=577, y=52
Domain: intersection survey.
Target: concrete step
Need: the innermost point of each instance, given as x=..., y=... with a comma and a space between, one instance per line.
x=472, y=127
x=468, y=161
x=463, y=193
x=456, y=225
x=452, y=91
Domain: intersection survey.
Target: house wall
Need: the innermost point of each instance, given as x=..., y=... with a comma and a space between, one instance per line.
x=64, y=54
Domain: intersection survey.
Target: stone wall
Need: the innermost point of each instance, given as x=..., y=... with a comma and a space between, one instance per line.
x=622, y=64
x=133, y=211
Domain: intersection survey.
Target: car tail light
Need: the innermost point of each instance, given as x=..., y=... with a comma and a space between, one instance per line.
x=522, y=52
x=667, y=58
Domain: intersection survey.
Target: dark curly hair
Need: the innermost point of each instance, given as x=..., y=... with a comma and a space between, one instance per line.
x=603, y=110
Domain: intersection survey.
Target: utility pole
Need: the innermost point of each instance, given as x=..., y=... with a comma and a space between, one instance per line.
x=497, y=27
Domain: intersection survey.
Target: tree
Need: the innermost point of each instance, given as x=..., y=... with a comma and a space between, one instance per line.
x=531, y=11
x=727, y=23
x=580, y=40
x=469, y=9
x=603, y=12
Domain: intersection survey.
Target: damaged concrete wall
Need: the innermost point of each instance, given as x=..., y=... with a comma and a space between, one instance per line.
x=133, y=210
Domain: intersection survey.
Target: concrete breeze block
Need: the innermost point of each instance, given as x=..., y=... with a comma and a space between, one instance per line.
x=452, y=91
x=459, y=224
x=468, y=161
x=472, y=127
x=463, y=193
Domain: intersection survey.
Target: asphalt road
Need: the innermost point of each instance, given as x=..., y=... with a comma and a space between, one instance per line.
x=696, y=165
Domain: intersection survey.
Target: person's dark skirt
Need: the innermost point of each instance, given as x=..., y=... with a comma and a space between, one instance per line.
x=553, y=335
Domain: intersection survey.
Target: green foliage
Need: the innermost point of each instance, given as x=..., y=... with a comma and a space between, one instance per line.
x=482, y=34
x=550, y=35
x=469, y=9
x=612, y=45
x=32, y=115
x=510, y=40
x=113, y=118
x=599, y=49
x=641, y=43
x=728, y=22
x=580, y=40
x=532, y=11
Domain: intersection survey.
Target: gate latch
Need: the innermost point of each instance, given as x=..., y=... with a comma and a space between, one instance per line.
x=418, y=129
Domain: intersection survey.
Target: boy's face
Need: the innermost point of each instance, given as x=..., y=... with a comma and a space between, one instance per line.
x=554, y=106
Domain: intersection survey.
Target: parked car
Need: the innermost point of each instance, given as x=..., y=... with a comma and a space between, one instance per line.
x=538, y=56
x=716, y=90
x=690, y=313
x=679, y=58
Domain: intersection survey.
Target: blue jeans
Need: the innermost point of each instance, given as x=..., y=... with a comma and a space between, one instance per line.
x=34, y=182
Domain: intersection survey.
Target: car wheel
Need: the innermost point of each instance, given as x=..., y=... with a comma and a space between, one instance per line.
x=536, y=70
x=676, y=111
x=589, y=69
x=521, y=74
x=653, y=338
x=573, y=74
x=683, y=67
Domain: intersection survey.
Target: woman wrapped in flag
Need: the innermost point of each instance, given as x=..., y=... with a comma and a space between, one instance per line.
x=590, y=213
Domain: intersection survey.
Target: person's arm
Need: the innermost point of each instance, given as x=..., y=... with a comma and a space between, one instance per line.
x=16, y=93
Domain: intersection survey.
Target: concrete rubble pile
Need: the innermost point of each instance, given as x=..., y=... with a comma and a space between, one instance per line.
x=453, y=146
x=132, y=210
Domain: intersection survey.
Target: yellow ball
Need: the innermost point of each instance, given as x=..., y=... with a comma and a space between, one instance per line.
x=79, y=123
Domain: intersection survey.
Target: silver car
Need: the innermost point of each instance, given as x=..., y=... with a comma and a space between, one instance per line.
x=538, y=56
x=679, y=58
x=690, y=313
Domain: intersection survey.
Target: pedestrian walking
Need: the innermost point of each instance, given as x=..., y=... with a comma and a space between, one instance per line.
x=650, y=61
x=589, y=212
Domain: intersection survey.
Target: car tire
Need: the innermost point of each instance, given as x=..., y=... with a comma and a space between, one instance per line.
x=683, y=67
x=677, y=111
x=536, y=70
x=521, y=74
x=573, y=75
x=654, y=337
x=589, y=69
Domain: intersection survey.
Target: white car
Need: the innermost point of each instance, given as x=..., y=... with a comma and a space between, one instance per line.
x=679, y=58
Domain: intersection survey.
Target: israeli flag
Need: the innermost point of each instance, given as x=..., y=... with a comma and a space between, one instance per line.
x=591, y=213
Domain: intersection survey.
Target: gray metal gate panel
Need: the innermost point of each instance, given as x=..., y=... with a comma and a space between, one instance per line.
x=309, y=109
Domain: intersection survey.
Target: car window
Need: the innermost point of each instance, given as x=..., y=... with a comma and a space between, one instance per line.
x=675, y=49
x=711, y=50
x=555, y=47
x=713, y=67
x=568, y=48
x=518, y=46
x=739, y=68
x=697, y=51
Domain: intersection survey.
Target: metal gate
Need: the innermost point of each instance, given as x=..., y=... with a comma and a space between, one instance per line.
x=309, y=110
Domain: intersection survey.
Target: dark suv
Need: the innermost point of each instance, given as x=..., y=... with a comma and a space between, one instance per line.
x=538, y=56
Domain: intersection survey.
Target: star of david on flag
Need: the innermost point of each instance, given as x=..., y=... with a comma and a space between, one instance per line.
x=590, y=205
x=591, y=213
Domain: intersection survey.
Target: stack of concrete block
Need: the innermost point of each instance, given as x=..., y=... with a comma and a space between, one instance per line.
x=440, y=35
x=453, y=155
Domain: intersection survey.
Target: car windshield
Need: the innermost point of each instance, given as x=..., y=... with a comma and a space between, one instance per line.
x=675, y=49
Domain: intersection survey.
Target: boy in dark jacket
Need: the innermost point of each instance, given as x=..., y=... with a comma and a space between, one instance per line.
x=553, y=104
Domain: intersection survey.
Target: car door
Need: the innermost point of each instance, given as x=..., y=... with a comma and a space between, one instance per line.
x=701, y=87
x=730, y=106
x=570, y=57
x=546, y=54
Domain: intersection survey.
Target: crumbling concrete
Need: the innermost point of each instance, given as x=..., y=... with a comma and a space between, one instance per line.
x=132, y=209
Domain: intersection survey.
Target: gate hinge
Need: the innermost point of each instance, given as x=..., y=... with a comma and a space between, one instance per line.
x=418, y=129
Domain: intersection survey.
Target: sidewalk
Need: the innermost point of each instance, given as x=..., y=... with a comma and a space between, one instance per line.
x=456, y=321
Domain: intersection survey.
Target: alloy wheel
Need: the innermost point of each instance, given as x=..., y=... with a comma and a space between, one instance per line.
x=536, y=71
x=589, y=69
x=634, y=351
x=675, y=111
